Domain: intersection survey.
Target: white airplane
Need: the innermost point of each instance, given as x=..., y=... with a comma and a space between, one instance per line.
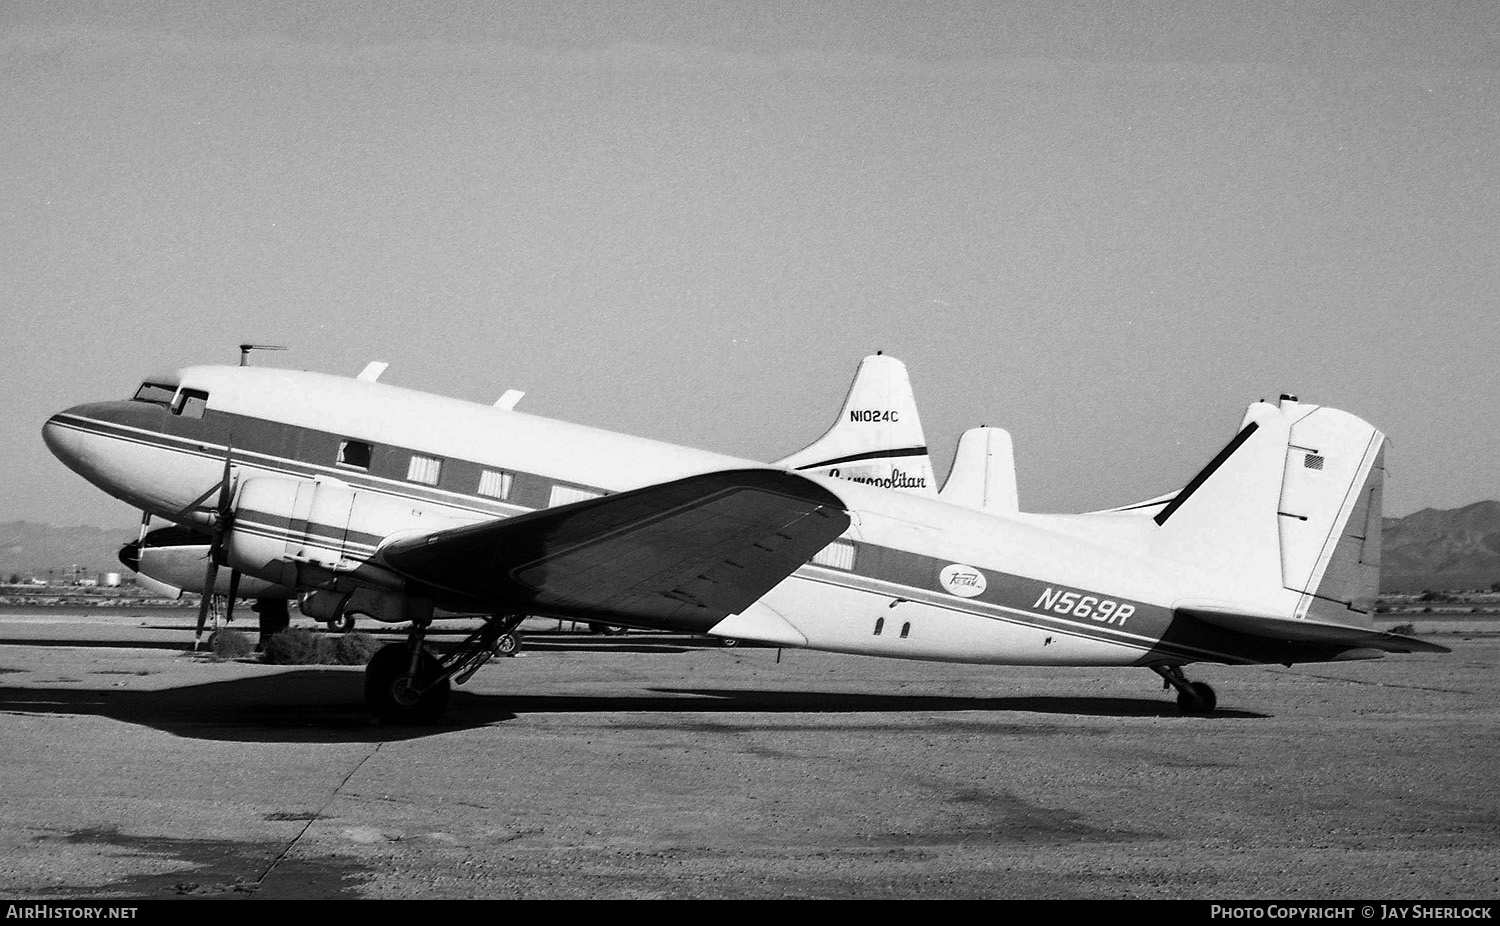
x=860, y=445
x=394, y=503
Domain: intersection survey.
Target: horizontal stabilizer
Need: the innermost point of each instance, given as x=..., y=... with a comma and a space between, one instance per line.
x=1286, y=630
x=680, y=555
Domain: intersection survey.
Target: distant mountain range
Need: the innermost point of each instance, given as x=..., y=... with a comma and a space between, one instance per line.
x=1431, y=549
x=29, y=549
x=1441, y=550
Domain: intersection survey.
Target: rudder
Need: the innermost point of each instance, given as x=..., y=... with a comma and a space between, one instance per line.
x=1330, y=511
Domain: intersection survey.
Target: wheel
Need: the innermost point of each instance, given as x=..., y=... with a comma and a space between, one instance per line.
x=1198, y=699
x=508, y=645
x=395, y=696
x=729, y=641
x=606, y=629
x=341, y=624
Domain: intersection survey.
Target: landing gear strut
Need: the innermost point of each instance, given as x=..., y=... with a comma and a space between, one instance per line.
x=1192, y=697
x=404, y=683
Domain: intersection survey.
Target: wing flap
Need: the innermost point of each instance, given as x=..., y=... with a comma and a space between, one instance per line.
x=680, y=555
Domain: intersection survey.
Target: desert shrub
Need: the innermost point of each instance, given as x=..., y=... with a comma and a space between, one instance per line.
x=354, y=649
x=1404, y=629
x=297, y=646
x=228, y=643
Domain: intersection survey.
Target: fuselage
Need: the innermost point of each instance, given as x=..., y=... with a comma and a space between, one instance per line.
x=912, y=578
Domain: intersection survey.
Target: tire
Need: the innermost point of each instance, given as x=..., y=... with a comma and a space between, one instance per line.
x=341, y=624
x=1201, y=700
x=609, y=630
x=508, y=645
x=389, y=690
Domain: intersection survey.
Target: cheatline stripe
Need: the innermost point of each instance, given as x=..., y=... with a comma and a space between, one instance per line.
x=871, y=455
x=333, y=538
x=1010, y=614
x=319, y=535
x=281, y=465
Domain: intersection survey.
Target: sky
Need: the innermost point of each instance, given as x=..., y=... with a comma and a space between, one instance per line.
x=1107, y=227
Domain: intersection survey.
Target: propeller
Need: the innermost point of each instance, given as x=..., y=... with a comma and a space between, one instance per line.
x=223, y=514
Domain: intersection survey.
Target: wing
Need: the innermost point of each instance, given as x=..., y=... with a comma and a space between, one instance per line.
x=680, y=555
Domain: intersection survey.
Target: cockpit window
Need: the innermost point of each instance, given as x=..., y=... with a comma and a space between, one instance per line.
x=191, y=403
x=155, y=393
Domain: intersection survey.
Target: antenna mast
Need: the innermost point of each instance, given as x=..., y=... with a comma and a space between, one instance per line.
x=245, y=350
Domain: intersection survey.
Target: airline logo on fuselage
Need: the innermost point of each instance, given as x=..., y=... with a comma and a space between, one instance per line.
x=896, y=480
x=963, y=581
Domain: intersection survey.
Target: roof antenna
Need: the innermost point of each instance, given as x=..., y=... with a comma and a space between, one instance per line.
x=245, y=350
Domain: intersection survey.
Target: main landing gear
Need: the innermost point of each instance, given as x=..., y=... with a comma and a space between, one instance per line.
x=1192, y=697
x=405, y=683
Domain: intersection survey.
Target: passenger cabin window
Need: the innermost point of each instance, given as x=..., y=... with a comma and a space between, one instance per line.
x=838, y=555
x=155, y=393
x=191, y=403
x=426, y=470
x=495, y=483
x=355, y=453
x=567, y=495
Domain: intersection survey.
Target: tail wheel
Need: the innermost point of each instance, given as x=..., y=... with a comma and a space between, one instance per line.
x=1198, y=698
x=396, y=694
x=342, y=624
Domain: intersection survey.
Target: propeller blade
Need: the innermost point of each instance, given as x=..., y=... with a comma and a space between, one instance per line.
x=234, y=592
x=209, y=578
x=222, y=515
x=226, y=486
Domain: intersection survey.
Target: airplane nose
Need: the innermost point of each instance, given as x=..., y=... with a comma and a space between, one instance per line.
x=88, y=439
x=64, y=439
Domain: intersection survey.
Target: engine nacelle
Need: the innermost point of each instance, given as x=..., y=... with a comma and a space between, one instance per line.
x=172, y=560
x=309, y=534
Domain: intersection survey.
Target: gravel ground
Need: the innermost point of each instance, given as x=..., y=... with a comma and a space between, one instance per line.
x=651, y=767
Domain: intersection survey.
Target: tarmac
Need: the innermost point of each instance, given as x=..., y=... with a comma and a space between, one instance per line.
x=652, y=766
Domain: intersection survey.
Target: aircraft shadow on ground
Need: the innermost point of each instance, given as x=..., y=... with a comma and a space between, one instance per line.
x=444, y=638
x=328, y=706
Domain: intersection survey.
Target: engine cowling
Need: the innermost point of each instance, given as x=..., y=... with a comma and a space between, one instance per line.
x=172, y=560
x=308, y=534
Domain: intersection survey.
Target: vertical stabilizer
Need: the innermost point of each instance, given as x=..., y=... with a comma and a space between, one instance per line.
x=1292, y=503
x=1224, y=520
x=877, y=438
x=983, y=475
